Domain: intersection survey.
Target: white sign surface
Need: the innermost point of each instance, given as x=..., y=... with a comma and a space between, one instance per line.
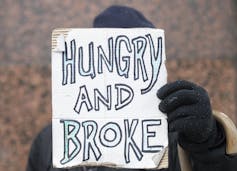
x=105, y=109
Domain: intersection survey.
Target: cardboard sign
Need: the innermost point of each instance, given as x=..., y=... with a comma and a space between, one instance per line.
x=105, y=109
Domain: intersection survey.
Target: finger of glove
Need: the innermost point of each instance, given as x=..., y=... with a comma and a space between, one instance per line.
x=174, y=86
x=180, y=124
x=183, y=112
x=177, y=99
x=193, y=129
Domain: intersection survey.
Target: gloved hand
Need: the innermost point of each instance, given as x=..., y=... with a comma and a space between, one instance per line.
x=189, y=113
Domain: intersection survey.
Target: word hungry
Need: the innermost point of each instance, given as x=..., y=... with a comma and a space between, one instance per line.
x=117, y=59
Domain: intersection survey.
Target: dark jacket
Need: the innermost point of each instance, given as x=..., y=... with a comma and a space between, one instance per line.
x=40, y=157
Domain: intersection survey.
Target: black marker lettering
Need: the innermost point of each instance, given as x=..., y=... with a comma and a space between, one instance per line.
x=129, y=141
x=91, y=70
x=102, y=57
x=107, y=101
x=71, y=128
x=121, y=101
x=83, y=98
x=90, y=130
x=105, y=140
x=139, y=44
x=68, y=63
x=156, y=60
x=125, y=59
x=147, y=135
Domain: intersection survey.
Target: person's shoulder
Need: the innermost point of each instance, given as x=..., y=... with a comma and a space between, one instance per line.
x=46, y=131
x=44, y=137
x=41, y=149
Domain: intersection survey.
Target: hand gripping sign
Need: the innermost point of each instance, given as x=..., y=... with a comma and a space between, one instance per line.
x=105, y=109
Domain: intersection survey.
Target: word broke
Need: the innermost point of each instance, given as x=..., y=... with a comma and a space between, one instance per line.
x=108, y=136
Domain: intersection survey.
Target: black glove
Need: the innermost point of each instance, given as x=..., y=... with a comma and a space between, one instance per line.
x=190, y=114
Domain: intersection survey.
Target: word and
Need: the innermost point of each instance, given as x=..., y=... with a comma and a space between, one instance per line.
x=98, y=137
x=124, y=95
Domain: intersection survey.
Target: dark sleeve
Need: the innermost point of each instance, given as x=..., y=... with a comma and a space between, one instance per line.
x=214, y=158
x=40, y=156
x=40, y=153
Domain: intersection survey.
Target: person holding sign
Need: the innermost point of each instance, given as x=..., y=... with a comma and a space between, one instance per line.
x=192, y=124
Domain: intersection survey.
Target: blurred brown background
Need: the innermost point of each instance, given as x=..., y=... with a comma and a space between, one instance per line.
x=201, y=39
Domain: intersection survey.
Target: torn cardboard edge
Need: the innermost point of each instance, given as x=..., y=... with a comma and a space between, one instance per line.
x=57, y=36
x=163, y=162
